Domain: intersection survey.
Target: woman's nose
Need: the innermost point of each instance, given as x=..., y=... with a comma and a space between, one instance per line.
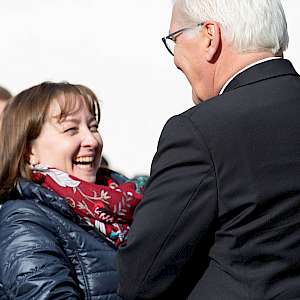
x=91, y=139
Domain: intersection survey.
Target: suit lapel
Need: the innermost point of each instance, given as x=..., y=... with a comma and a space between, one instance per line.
x=262, y=71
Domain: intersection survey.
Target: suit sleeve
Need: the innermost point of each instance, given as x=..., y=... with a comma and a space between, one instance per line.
x=173, y=226
x=32, y=262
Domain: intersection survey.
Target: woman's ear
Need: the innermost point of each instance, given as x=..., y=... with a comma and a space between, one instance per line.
x=31, y=156
x=212, y=32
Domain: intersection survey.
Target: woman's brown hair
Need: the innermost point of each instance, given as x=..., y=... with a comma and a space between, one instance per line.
x=23, y=119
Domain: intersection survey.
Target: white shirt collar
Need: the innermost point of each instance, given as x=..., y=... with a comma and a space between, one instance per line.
x=247, y=67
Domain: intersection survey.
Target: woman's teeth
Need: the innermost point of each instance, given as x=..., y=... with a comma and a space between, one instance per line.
x=84, y=161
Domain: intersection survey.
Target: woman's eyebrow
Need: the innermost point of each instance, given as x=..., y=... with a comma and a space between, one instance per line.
x=71, y=120
x=91, y=120
x=77, y=121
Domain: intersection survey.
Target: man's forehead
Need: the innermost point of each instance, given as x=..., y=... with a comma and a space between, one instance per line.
x=177, y=20
x=174, y=20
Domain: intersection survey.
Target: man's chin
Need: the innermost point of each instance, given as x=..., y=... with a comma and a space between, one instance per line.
x=195, y=98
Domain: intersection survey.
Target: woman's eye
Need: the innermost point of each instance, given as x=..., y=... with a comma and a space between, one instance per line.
x=94, y=128
x=71, y=130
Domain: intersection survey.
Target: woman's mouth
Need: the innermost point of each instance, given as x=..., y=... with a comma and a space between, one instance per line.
x=84, y=162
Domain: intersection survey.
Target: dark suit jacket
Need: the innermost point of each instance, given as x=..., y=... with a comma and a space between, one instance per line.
x=221, y=214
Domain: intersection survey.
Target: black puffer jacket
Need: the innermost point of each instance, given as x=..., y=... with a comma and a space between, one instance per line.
x=44, y=254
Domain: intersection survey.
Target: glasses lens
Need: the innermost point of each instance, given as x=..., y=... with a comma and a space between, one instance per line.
x=170, y=45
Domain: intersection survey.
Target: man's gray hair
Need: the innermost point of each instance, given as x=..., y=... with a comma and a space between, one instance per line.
x=249, y=25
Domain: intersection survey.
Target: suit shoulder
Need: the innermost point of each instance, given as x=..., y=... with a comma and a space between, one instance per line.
x=206, y=110
x=228, y=105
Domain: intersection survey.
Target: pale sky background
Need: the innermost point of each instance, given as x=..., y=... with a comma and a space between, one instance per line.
x=115, y=48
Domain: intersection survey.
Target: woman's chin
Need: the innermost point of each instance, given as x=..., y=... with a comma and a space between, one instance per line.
x=85, y=172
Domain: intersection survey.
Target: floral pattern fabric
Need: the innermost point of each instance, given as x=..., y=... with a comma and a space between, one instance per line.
x=108, y=205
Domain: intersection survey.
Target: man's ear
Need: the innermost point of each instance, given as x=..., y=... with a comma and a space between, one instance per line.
x=213, y=35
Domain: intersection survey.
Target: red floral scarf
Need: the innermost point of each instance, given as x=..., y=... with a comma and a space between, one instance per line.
x=108, y=206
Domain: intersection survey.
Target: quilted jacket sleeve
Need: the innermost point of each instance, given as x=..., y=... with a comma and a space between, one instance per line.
x=32, y=263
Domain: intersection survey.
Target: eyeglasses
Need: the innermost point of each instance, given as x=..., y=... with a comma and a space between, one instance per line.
x=170, y=40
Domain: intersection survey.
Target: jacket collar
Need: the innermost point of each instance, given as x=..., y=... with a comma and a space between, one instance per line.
x=26, y=189
x=262, y=71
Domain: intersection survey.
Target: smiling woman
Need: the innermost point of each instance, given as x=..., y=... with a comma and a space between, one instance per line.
x=79, y=141
x=56, y=200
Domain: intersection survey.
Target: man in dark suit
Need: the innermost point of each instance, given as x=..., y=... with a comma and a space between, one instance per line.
x=220, y=218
